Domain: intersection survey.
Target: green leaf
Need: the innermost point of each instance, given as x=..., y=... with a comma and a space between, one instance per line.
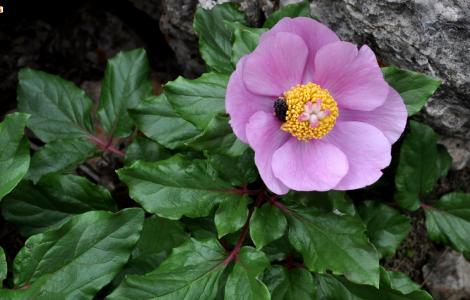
x=393, y=286
x=81, y=256
x=386, y=227
x=126, y=82
x=192, y=271
x=3, y=266
x=218, y=138
x=239, y=171
x=332, y=201
x=145, y=149
x=444, y=160
x=34, y=291
x=34, y=208
x=60, y=156
x=231, y=215
x=328, y=241
x=400, y=282
x=301, y=9
x=156, y=118
x=201, y=228
x=177, y=186
x=159, y=236
x=59, y=109
x=215, y=39
x=289, y=284
x=14, y=152
x=279, y=249
x=245, y=40
x=198, y=100
x=243, y=282
x=448, y=221
x=418, y=167
x=267, y=224
x=415, y=88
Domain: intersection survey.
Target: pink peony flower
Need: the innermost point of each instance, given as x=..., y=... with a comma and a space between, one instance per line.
x=316, y=111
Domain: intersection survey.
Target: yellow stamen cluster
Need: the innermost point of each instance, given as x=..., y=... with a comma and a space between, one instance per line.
x=296, y=98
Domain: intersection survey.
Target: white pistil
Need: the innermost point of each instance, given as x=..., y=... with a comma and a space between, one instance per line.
x=313, y=113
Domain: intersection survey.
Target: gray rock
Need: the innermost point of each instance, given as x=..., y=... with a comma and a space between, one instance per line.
x=287, y=2
x=448, y=277
x=424, y=35
x=459, y=150
x=176, y=23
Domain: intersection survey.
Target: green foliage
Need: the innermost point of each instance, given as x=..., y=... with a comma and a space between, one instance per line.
x=415, y=88
x=145, y=149
x=231, y=215
x=177, y=186
x=125, y=83
x=239, y=171
x=214, y=37
x=243, y=281
x=198, y=100
x=245, y=40
x=192, y=271
x=190, y=114
x=61, y=155
x=3, y=265
x=218, y=138
x=59, y=109
x=448, y=221
x=301, y=9
x=159, y=236
x=95, y=245
x=61, y=113
x=386, y=227
x=290, y=283
x=205, y=205
x=14, y=152
x=35, y=208
x=157, y=119
x=417, y=169
x=267, y=224
x=332, y=242
x=393, y=286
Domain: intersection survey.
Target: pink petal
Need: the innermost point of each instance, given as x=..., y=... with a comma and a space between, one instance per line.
x=353, y=77
x=390, y=117
x=309, y=166
x=314, y=34
x=241, y=104
x=276, y=65
x=265, y=137
x=367, y=149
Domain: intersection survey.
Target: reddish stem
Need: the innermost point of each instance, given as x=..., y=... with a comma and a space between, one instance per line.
x=242, y=191
x=282, y=207
x=106, y=146
x=423, y=205
x=233, y=254
x=290, y=263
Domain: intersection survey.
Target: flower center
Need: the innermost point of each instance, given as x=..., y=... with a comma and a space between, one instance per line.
x=311, y=112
